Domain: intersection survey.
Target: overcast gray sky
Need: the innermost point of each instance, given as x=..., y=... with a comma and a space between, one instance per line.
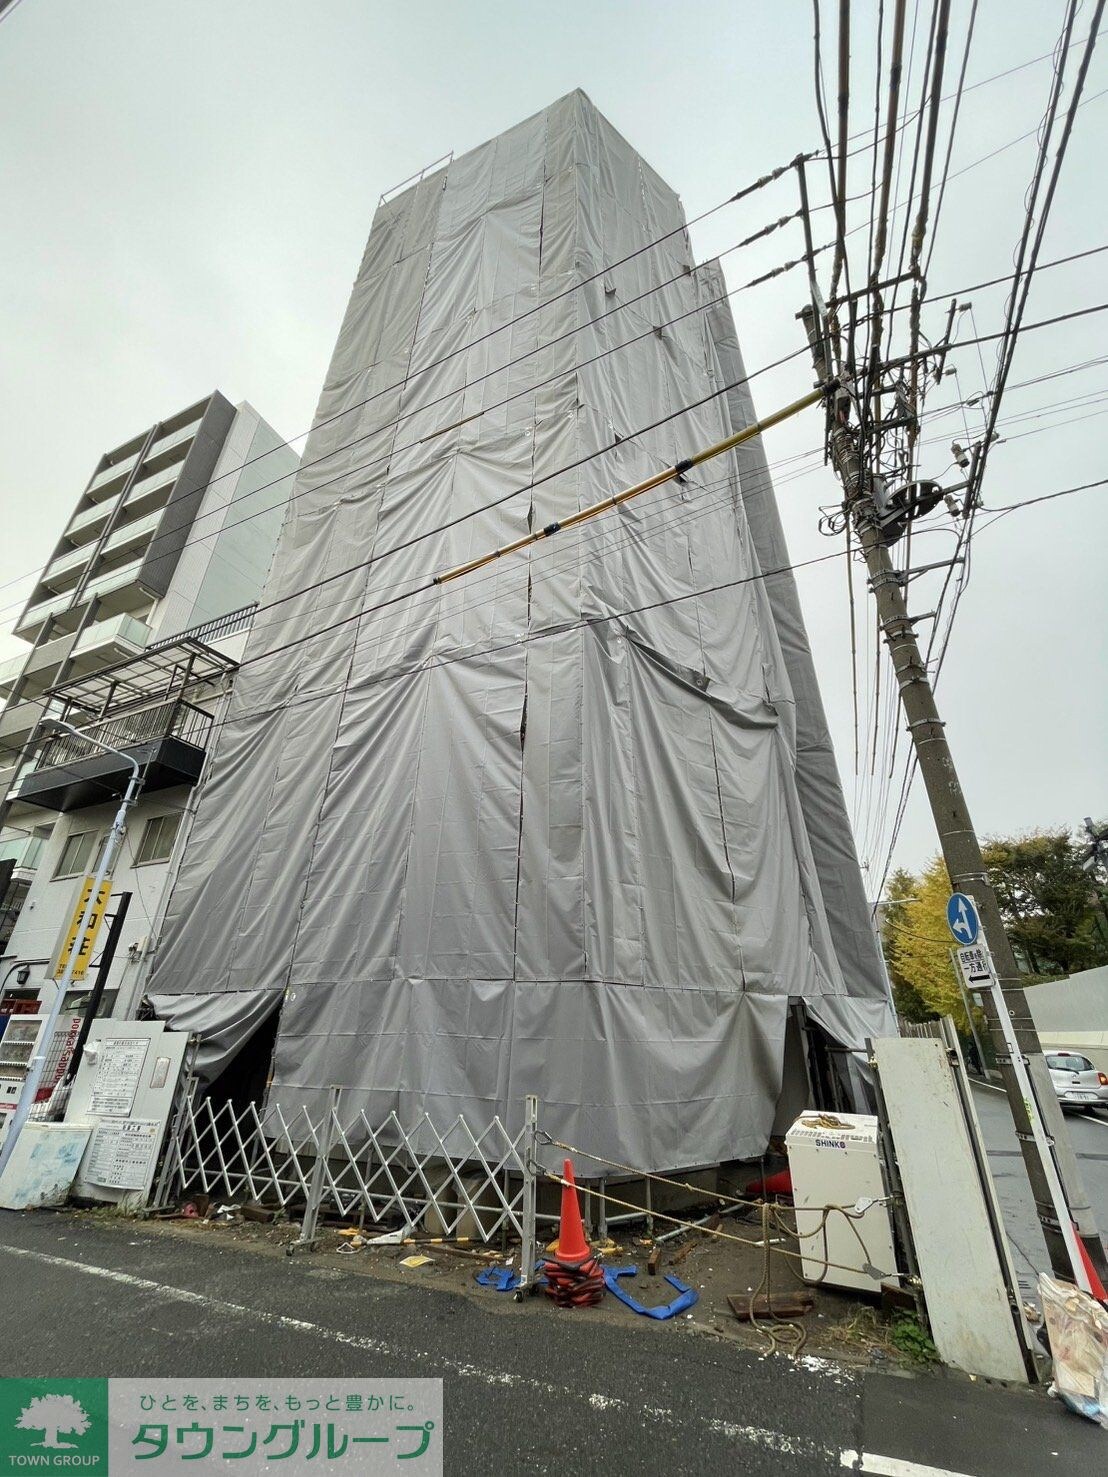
x=187, y=190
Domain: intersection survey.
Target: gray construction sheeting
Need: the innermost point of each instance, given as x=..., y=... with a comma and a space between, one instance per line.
x=558, y=827
x=223, y=1024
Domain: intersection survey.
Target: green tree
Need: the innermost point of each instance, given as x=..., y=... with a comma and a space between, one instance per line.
x=917, y=946
x=1048, y=900
x=1050, y=906
x=896, y=918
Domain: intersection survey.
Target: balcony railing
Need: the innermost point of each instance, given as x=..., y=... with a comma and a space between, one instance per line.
x=111, y=474
x=183, y=433
x=179, y=720
x=156, y=482
x=114, y=638
x=113, y=580
x=35, y=616
x=104, y=585
x=214, y=630
x=66, y=568
x=10, y=670
x=133, y=532
x=84, y=522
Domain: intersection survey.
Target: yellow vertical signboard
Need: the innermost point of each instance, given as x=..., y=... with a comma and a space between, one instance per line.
x=85, y=944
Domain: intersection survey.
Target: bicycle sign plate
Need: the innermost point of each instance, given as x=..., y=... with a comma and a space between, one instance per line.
x=975, y=966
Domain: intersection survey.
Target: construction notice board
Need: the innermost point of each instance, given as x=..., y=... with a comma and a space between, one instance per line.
x=122, y=1153
x=124, y=1091
x=119, y=1064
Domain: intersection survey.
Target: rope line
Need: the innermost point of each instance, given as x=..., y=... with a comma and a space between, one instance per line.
x=674, y=1220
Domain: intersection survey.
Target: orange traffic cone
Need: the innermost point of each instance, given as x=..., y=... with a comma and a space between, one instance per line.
x=571, y=1244
x=573, y=1275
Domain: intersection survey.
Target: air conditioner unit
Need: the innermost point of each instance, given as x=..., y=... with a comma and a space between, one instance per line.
x=833, y=1161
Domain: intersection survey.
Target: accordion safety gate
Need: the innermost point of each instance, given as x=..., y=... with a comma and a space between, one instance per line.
x=484, y=1181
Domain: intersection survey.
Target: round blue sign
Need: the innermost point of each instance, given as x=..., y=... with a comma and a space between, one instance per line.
x=962, y=919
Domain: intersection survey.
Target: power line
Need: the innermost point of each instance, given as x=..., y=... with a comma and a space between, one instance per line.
x=766, y=179
x=1016, y=308
x=430, y=590
x=781, y=480
x=910, y=117
x=966, y=530
x=494, y=503
x=585, y=622
x=989, y=338
x=592, y=620
x=616, y=538
x=955, y=292
x=741, y=194
x=1048, y=497
x=919, y=230
x=975, y=163
x=958, y=95
x=398, y=420
x=1007, y=337
x=756, y=185
x=837, y=202
x=909, y=774
x=615, y=348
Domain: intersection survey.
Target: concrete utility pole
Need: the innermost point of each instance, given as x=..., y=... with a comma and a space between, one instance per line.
x=960, y=846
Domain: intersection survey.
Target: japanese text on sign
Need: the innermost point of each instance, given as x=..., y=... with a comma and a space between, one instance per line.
x=975, y=965
x=88, y=938
x=118, y=1071
x=365, y=1426
x=122, y=1153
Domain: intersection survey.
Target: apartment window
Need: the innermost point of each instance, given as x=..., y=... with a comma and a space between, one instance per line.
x=36, y=845
x=75, y=854
x=157, y=839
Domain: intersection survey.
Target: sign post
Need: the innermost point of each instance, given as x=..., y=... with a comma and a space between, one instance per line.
x=970, y=999
x=975, y=964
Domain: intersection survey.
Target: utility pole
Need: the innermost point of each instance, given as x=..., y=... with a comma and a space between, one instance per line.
x=960, y=846
x=59, y=1099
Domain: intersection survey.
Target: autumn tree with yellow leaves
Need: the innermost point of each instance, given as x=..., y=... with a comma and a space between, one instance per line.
x=917, y=946
x=1052, y=907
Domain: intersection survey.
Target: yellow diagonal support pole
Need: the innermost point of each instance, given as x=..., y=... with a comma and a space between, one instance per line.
x=719, y=448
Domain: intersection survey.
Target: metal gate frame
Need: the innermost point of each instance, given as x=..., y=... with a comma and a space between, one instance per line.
x=355, y=1168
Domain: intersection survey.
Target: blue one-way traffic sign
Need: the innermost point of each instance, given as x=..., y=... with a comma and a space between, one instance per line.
x=962, y=919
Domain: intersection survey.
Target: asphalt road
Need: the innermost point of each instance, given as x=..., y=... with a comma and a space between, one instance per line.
x=526, y=1389
x=1089, y=1136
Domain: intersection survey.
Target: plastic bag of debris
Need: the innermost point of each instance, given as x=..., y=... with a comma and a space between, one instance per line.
x=1077, y=1326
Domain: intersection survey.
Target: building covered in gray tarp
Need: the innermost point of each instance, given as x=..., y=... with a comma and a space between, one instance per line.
x=570, y=826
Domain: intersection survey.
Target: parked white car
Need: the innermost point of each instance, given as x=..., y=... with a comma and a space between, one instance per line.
x=1076, y=1081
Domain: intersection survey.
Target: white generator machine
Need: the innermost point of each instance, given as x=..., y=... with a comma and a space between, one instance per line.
x=833, y=1161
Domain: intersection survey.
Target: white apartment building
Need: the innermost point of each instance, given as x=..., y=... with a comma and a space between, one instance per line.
x=134, y=629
